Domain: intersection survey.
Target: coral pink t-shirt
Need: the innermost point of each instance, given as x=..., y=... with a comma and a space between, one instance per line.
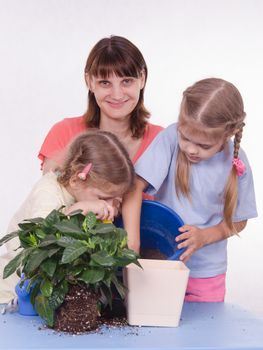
x=63, y=132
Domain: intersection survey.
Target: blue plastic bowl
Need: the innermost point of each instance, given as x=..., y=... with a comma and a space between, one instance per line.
x=159, y=227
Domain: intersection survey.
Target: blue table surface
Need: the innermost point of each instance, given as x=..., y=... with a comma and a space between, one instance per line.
x=202, y=326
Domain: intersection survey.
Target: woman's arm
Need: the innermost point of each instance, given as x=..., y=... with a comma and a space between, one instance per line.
x=195, y=238
x=131, y=212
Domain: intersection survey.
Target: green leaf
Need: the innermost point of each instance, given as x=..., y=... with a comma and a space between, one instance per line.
x=103, y=259
x=106, y=295
x=40, y=233
x=49, y=267
x=44, y=310
x=89, y=222
x=9, y=236
x=119, y=286
x=126, y=257
x=31, y=283
x=122, y=237
x=37, y=220
x=76, y=270
x=66, y=241
x=25, y=225
x=35, y=259
x=49, y=222
x=34, y=291
x=56, y=299
x=13, y=265
x=52, y=251
x=52, y=218
x=94, y=240
x=25, y=242
x=107, y=278
x=59, y=275
x=58, y=295
x=46, y=287
x=77, y=219
x=75, y=212
x=69, y=227
x=28, y=238
x=27, y=253
x=129, y=254
x=73, y=252
x=104, y=228
x=92, y=275
x=122, y=262
x=48, y=240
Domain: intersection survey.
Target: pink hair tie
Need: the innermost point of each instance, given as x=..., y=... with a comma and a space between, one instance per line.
x=85, y=171
x=239, y=165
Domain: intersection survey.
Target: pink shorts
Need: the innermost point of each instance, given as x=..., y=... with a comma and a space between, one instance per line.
x=210, y=289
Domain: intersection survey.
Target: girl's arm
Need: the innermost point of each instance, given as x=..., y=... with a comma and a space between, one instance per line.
x=131, y=212
x=100, y=207
x=195, y=238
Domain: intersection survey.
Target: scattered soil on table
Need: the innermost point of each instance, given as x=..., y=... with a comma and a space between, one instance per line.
x=152, y=254
x=79, y=311
x=117, y=321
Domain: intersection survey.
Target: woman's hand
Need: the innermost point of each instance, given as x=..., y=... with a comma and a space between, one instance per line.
x=192, y=238
x=100, y=207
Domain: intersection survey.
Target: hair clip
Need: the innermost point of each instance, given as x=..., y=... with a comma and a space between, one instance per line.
x=84, y=172
x=239, y=165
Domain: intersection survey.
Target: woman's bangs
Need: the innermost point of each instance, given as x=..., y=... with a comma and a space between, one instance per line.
x=108, y=65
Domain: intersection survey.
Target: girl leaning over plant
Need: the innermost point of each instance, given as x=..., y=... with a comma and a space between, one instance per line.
x=90, y=180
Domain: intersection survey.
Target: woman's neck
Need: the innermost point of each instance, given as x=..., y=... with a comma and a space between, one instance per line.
x=119, y=128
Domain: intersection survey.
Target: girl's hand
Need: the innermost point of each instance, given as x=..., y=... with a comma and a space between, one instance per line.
x=192, y=238
x=100, y=207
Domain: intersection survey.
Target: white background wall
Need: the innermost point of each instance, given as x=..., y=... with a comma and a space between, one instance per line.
x=43, y=48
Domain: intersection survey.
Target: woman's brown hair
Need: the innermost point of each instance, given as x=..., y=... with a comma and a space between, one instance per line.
x=119, y=56
x=213, y=108
x=110, y=161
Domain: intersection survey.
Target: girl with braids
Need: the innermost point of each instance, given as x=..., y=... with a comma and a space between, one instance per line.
x=91, y=179
x=196, y=168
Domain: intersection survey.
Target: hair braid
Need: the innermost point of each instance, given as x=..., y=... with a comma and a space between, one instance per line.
x=231, y=189
x=237, y=140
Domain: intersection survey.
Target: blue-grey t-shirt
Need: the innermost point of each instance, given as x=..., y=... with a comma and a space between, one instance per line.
x=207, y=183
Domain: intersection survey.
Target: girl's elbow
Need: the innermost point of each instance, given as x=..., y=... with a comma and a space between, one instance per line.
x=239, y=226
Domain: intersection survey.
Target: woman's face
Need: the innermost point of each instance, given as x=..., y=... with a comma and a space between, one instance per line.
x=116, y=96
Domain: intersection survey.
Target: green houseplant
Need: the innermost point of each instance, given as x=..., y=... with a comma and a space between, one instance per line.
x=63, y=256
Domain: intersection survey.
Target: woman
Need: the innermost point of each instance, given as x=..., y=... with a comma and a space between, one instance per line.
x=115, y=74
